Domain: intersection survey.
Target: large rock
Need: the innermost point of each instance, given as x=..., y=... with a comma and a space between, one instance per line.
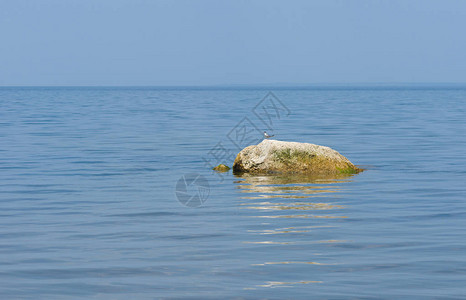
x=272, y=156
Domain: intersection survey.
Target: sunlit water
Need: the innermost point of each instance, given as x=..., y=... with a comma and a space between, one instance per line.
x=88, y=204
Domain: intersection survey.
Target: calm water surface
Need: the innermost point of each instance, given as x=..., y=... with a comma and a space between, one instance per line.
x=88, y=205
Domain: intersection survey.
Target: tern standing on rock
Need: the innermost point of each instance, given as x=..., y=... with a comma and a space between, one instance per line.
x=266, y=135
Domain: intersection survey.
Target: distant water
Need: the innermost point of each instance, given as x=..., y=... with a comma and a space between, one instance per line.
x=89, y=210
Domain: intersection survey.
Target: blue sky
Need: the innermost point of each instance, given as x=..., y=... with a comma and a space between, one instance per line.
x=176, y=42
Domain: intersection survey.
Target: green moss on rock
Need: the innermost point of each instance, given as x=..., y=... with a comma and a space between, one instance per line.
x=290, y=156
x=350, y=170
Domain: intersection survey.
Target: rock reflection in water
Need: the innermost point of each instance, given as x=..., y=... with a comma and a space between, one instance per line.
x=290, y=186
x=298, y=188
x=278, y=197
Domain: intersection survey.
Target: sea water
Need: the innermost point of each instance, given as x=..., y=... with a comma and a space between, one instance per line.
x=90, y=209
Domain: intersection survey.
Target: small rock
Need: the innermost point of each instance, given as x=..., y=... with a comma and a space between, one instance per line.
x=221, y=168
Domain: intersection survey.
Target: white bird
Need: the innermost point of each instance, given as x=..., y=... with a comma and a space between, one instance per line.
x=266, y=135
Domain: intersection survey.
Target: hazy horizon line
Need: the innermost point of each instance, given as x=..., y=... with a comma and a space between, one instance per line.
x=260, y=85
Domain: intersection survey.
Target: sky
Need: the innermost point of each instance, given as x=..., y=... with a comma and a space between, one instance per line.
x=203, y=42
